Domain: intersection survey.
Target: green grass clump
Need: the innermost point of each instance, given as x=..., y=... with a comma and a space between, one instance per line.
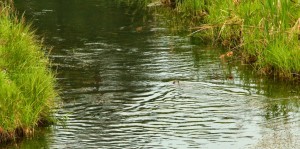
x=264, y=33
x=26, y=83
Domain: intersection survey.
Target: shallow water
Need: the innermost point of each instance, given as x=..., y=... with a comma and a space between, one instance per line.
x=127, y=82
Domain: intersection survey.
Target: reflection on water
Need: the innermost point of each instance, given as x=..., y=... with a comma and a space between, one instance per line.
x=127, y=83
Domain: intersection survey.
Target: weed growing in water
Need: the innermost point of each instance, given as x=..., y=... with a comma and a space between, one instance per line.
x=264, y=33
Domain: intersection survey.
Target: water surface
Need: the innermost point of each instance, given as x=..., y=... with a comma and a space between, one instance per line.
x=127, y=82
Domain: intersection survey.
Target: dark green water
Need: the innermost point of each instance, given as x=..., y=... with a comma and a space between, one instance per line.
x=117, y=87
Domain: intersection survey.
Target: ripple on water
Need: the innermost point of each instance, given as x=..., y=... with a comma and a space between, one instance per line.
x=118, y=91
x=196, y=113
x=135, y=102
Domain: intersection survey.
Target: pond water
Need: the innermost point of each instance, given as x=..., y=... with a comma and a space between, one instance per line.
x=127, y=82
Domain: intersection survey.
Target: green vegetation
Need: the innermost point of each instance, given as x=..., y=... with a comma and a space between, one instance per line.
x=26, y=83
x=263, y=33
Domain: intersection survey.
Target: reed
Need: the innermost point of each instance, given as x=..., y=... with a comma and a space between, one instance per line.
x=263, y=33
x=26, y=83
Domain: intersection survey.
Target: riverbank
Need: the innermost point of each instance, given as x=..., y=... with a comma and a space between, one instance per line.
x=26, y=83
x=263, y=34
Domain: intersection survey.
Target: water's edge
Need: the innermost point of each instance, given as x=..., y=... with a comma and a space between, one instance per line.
x=127, y=82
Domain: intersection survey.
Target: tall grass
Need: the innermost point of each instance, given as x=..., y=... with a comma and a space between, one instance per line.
x=264, y=33
x=26, y=83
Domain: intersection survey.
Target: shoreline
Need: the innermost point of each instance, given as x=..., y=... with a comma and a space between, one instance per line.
x=265, y=35
x=26, y=82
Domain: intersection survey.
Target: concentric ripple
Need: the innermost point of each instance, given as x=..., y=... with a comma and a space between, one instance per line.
x=127, y=82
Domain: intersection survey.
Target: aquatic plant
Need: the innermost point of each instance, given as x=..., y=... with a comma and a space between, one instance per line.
x=26, y=83
x=263, y=33
x=268, y=34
